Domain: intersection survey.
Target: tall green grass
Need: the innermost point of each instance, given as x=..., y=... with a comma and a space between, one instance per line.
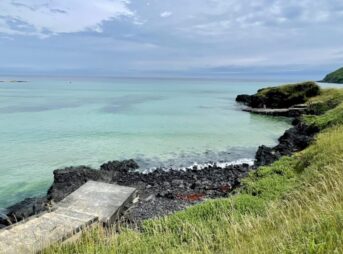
x=293, y=206
x=327, y=100
x=328, y=109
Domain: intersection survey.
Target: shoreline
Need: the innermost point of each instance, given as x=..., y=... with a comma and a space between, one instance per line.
x=161, y=191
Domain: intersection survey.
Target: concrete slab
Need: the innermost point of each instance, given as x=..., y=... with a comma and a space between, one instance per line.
x=39, y=233
x=99, y=199
x=91, y=203
x=275, y=111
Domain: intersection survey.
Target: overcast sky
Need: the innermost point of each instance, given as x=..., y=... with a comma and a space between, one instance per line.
x=170, y=37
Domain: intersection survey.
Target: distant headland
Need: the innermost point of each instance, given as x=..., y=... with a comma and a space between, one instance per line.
x=334, y=77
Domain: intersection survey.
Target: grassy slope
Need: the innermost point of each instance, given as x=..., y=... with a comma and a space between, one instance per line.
x=335, y=77
x=291, y=90
x=292, y=206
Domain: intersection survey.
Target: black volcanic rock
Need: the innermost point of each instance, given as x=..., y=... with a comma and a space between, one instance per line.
x=70, y=179
x=172, y=189
x=244, y=98
x=22, y=210
x=265, y=156
x=119, y=166
x=293, y=140
x=280, y=97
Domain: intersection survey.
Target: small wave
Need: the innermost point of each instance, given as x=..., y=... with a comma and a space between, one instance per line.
x=220, y=164
x=200, y=166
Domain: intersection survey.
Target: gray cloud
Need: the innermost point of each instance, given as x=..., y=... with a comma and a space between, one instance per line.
x=45, y=17
x=119, y=37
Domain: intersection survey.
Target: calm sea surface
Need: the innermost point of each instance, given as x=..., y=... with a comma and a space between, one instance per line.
x=47, y=124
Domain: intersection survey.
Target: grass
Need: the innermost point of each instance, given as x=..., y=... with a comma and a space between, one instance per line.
x=293, y=206
x=328, y=99
x=328, y=108
x=308, y=89
x=285, y=96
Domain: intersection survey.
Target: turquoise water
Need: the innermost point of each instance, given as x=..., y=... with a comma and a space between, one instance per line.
x=47, y=124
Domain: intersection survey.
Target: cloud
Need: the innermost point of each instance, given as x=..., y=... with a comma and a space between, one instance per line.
x=223, y=16
x=44, y=17
x=166, y=14
x=178, y=35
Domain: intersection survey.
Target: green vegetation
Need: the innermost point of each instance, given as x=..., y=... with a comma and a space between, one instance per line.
x=335, y=77
x=331, y=102
x=308, y=89
x=328, y=99
x=293, y=206
x=285, y=96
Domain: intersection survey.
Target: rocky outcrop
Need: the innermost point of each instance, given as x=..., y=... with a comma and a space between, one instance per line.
x=280, y=97
x=162, y=192
x=23, y=209
x=283, y=101
x=119, y=167
x=70, y=179
x=244, y=99
x=293, y=140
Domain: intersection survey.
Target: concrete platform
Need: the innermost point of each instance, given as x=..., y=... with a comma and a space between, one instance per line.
x=99, y=199
x=92, y=203
x=292, y=111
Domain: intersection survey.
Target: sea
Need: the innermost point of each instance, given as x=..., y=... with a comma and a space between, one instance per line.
x=49, y=123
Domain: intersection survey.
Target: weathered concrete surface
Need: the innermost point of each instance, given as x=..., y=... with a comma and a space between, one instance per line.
x=38, y=233
x=296, y=110
x=99, y=199
x=91, y=203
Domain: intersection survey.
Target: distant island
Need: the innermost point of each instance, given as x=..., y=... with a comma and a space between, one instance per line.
x=334, y=77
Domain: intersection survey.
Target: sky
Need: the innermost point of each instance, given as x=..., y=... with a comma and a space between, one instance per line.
x=170, y=37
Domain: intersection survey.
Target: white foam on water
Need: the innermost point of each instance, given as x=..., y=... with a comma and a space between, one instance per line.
x=250, y=162
x=200, y=166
